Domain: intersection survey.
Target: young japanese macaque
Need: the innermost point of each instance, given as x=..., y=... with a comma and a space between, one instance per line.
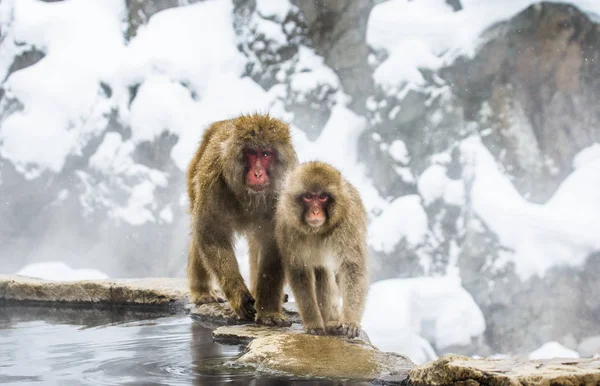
x=321, y=228
x=232, y=184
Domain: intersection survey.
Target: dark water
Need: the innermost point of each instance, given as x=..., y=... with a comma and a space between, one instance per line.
x=83, y=347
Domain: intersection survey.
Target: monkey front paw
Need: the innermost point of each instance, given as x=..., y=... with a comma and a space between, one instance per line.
x=351, y=330
x=316, y=331
x=243, y=305
x=272, y=319
x=205, y=297
x=220, y=296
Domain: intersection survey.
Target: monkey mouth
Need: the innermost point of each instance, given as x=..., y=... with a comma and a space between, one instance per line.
x=315, y=222
x=258, y=188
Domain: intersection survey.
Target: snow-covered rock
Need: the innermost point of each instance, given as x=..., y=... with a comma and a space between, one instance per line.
x=409, y=315
x=551, y=350
x=59, y=271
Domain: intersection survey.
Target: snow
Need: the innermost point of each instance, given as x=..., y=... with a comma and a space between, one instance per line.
x=272, y=31
x=399, y=152
x=60, y=271
x=587, y=156
x=277, y=9
x=166, y=214
x=59, y=92
x=434, y=184
x=419, y=310
x=403, y=219
x=551, y=350
x=562, y=232
x=428, y=34
x=311, y=72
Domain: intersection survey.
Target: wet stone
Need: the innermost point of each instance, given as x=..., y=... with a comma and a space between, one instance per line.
x=290, y=351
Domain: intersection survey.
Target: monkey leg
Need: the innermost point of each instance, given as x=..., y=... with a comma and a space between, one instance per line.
x=327, y=295
x=217, y=248
x=354, y=285
x=253, y=252
x=269, y=286
x=254, y=255
x=302, y=281
x=199, y=278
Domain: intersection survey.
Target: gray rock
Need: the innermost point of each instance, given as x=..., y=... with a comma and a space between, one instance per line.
x=457, y=370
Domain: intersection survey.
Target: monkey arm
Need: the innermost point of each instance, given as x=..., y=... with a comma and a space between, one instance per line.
x=354, y=286
x=269, y=280
x=216, y=246
x=302, y=282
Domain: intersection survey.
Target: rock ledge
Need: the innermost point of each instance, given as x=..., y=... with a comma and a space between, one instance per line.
x=464, y=371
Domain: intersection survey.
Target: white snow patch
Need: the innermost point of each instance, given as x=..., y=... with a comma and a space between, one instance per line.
x=434, y=184
x=587, y=155
x=311, y=72
x=139, y=206
x=404, y=218
x=419, y=310
x=562, y=232
x=551, y=350
x=271, y=30
x=399, y=152
x=59, y=271
x=166, y=214
x=277, y=9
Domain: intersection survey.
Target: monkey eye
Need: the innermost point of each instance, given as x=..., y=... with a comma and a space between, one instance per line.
x=266, y=154
x=307, y=197
x=323, y=197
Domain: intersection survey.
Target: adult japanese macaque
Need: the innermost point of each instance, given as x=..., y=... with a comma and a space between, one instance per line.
x=232, y=183
x=321, y=227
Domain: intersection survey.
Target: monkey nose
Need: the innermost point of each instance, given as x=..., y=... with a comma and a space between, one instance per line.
x=316, y=211
x=258, y=173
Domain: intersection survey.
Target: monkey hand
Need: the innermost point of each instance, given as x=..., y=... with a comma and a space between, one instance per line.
x=350, y=329
x=315, y=329
x=272, y=319
x=243, y=305
x=204, y=297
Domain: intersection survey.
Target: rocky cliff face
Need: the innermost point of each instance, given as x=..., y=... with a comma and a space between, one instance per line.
x=528, y=93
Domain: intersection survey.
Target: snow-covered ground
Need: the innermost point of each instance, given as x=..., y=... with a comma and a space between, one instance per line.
x=59, y=271
x=404, y=315
x=553, y=350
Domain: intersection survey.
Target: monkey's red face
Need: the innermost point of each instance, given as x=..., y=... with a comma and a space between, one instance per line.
x=257, y=167
x=315, y=208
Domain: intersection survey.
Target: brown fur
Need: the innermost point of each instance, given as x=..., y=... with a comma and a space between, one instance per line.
x=222, y=205
x=313, y=257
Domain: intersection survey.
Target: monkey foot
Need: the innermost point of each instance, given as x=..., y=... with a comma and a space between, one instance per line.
x=351, y=330
x=205, y=297
x=221, y=298
x=316, y=331
x=273, y=319
x=243, y=306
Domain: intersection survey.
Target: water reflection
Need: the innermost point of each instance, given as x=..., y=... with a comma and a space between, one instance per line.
x=95, y=348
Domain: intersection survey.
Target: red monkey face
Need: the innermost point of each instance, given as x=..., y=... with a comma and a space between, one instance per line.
x=315, y=205
x=257, y=164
